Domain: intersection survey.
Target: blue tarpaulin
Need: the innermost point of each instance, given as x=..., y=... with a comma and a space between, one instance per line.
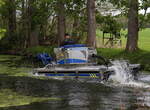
x=44, y=57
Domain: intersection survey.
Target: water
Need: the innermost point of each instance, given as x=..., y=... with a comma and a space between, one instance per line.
x=122, y=72
x=72, y=94
x=124, y=77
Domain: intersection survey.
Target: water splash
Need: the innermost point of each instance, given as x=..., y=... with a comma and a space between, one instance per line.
x=124, y=76
x=122, y=72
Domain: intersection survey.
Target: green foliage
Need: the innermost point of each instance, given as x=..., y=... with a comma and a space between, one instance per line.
x=120, y=3
x=109, y=24
x=75, y=14
x=2, y=33
x=44, y=20
x=145, y=4
x=2, y=2
x=144, y=21
x=42, y=10
x=39, y=49
x=3, y=11
x=75, y=7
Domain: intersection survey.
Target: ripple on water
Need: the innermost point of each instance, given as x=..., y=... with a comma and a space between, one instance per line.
x=80, y=94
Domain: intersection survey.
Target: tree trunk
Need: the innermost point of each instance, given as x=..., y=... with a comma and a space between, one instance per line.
x=133, y=28
x=12, y=18
x=91, y=39
x=61, y=21
x=43, y=25
x=24, y=24
x=33, y=36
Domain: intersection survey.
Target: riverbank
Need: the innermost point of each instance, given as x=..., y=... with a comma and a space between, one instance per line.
x=139, y=57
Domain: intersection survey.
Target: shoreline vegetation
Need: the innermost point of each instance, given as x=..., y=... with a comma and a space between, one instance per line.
x=31, y=27
x=141, y=56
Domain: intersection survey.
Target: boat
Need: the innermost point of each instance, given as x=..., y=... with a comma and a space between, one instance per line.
x=78, y=60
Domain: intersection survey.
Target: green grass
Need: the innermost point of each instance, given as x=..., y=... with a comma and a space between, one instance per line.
x=10, y=98
x=142, y=56
x=139, y=57
x=39, y=49
x=144, y=39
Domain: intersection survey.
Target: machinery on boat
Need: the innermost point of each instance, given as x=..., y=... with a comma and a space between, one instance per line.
x=78, y=60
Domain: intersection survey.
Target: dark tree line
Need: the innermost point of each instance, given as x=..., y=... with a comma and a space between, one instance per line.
x=33, y=22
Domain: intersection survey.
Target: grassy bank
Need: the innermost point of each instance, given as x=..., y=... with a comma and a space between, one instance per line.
x=141, y=56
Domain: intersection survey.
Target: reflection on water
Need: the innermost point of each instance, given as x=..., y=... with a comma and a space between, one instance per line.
x=76, y=94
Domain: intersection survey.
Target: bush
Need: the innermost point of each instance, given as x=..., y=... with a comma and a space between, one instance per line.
x=39, y=49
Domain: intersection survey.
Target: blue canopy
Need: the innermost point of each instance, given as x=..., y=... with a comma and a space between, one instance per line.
x=74, y=45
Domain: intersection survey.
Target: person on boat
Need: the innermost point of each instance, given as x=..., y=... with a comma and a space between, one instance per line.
x=68, y=40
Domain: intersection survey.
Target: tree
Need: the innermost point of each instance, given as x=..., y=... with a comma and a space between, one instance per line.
x=24, y=31
x=133, y=27
x=143, y=20
x=32, y=29
x=75, y=12
x=91, y=39
x=11, y=6
x=61, y=21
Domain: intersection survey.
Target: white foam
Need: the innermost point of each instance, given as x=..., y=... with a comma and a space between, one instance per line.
x=123, y=75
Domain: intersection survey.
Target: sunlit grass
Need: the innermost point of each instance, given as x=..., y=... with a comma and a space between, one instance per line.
x=9, y=98
x=144, y=38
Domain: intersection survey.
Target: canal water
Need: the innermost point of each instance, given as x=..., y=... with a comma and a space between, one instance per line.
x=72, y=94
